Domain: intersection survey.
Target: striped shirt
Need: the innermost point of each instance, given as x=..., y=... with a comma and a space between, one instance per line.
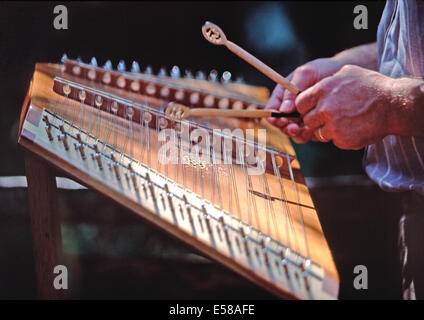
x=397, y=163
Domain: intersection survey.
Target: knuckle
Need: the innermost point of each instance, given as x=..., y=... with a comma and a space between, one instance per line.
x=345, y=142
x=348, y=68
x=325, y=113
x=325, y=85
x=340, y=144
x=299, y=140
x=306, y=71
x=307, y=121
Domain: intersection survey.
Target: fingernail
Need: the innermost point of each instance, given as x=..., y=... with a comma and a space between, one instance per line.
x=271, y=120
x=287, y=106
x=282, y=122
x=294, y=131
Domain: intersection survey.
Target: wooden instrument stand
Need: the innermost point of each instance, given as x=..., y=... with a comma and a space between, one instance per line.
x=45, y=224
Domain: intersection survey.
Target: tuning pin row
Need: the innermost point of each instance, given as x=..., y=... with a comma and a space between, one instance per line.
x=175, y=71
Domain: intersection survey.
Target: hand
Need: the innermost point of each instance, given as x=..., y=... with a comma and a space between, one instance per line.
x=353, y=107
x=283, y=100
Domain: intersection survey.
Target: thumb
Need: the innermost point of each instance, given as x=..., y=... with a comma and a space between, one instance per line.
x=303, y=78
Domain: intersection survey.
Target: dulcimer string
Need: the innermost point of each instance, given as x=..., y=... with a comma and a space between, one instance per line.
x=229, y=185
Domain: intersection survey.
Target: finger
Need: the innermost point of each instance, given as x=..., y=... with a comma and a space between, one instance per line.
x=306, y=100
x=300, y=139
x=325, y=132
x=287, y=106
x=303, y=78
x=307, y=133
x=278, y=122
x=271, y=120
x=293, y=130
x=313, y=119
x=281, y=122
x=276, y=98
x=284, y=130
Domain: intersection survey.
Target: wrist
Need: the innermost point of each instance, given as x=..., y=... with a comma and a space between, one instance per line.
x=341, y=59
x=405, y=114
x=364, y=56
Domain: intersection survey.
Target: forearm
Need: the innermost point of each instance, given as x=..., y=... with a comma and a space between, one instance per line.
x=363, y=56
x=406, y=114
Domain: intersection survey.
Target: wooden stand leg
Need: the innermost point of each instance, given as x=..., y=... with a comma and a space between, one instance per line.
x=45, y=225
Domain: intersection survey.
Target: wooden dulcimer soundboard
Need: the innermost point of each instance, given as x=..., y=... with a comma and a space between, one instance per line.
x=107, y=129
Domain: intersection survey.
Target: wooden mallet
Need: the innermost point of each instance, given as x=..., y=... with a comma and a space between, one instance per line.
x=215, y=35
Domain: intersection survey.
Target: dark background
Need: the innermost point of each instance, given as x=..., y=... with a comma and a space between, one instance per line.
x=283, y=34
x=111, y=251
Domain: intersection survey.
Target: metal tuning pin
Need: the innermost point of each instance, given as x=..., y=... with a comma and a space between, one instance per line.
x=133, y=175
x=63, y=137
x=121, y=66
x=146, y=195
x=181, y=211
x=135, y=67
x=200, y=75
x=226, y=77
x=149, y=70
x=79, y=60
x=162, y=198
x=162, y=72
x=305, y=272
x=108, y=65
x=188, y=209
x=64, y=58
x=93, y=62
x=265, y=249
x=175, y=72
x=171, y=204
x=207, y=219
x=150, y=186
x=245, y=238
x=213, y=75
x=80, y=146
x=114, y=166
x=240, y=79
x=96, y=156
x=284, y=260
x=225, y=228
x=188, y=74
x=48, y=127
